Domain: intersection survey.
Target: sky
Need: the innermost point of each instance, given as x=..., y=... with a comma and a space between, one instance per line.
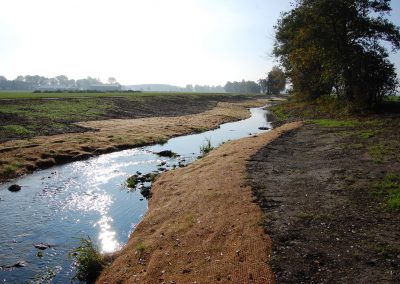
x=178, y=42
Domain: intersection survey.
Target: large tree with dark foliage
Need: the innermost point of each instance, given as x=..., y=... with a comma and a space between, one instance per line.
x=335, y=47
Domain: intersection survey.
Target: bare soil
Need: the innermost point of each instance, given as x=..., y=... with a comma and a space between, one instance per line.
x=317, y=188
x=202, y=226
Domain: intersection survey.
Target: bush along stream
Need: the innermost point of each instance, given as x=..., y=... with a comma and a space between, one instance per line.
x=102, y=198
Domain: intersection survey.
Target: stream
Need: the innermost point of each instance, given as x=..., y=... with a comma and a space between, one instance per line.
x=90, y=198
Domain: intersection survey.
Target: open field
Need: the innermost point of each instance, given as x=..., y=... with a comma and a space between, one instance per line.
x=66, y=95
x=26, y=115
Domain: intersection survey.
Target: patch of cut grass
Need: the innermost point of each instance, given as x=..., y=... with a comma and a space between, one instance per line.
x=335, y=123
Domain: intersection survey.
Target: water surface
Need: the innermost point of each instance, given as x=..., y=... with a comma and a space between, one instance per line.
x=89, y=198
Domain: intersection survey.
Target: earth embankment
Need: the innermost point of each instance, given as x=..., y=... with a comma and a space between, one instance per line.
x=203, y=224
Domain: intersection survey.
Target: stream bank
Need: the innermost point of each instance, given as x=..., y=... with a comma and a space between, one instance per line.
x=202, y=225
x=90, y=198
x=19, y=157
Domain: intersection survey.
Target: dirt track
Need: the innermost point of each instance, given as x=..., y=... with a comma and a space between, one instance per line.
x=202, y=225
x=318, y=189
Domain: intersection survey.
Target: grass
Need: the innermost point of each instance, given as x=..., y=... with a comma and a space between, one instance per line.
x=140, y=247
x=14, y=129
x=389, y=189
x=206, y=148
x=378, y=152
x=367, y=134
x=11, y=168
x=334, y=123
x=132, y=181
x=30, y=114
x=31, y=95
x=279, y=112
x=58, y=110
x=89, y=261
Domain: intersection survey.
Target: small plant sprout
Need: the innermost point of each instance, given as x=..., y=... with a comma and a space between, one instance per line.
x=206, y=147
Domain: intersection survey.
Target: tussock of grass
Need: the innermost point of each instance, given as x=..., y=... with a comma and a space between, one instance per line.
x=206, y=148
x=89, y=261
x=140, y=247
x=132, y=181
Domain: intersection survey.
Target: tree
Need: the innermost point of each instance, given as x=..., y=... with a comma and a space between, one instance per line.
x=336, y=47
x=242, y=87
x=263, y=85
x=112, y=80
x=62, y=80
x=276, y=81
x=189, y=88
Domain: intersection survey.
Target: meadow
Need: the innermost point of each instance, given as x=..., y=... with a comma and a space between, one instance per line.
x=25, y=115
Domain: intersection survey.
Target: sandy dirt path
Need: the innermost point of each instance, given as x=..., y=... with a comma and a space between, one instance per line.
x=203, y=224
x=18, y=157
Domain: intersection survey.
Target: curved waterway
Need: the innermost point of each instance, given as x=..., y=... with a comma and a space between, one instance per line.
x=89, y=198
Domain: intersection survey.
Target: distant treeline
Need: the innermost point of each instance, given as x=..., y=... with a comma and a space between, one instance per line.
x=242, y=87
x=62, y=82
x=204, y=89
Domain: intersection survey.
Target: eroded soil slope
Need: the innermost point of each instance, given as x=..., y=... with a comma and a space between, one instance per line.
x=325, y=193
x=202, y=225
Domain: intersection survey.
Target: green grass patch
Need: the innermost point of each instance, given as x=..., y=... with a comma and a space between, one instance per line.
x=11, y=168
x=279, y=112
x=89, y=261
x=15, y=129
x=335, y=123
x=378, y=152
x=59, y=110
x=367, y=134
x=140, y=247
x=389, y=189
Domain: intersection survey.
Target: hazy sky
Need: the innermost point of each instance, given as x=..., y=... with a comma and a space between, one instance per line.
x=149, y=41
